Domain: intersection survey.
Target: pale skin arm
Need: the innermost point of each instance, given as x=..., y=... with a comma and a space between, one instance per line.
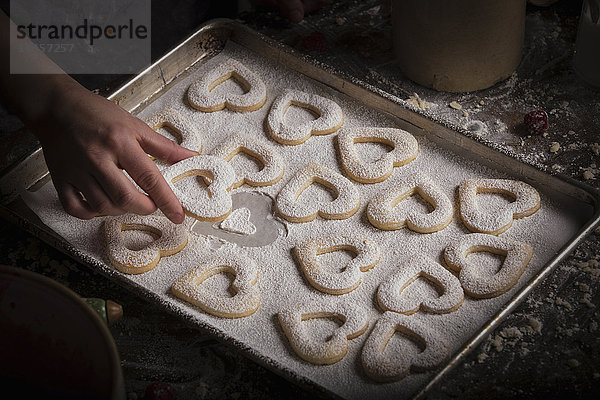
x=89, y=142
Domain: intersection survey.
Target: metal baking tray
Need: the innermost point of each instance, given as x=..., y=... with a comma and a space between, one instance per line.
x=31, y=172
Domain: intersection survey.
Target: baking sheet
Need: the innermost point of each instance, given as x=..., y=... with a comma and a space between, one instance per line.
x=558, y=224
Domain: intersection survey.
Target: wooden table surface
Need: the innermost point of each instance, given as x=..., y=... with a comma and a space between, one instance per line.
x=548, y=347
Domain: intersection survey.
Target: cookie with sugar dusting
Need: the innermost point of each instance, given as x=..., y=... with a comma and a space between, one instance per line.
x=516, y=258
x=170, y=239
x=246, y=300
x=382, y=213
x=335, y=347
x=273, y=166
x=200, y=94
x=367, y=255
x=526, y=202
x=179, y=124
x=383, y=365
x=344, y=206
x=404, y=150
x=211, y=203
x=389, y=293
x=329, y=117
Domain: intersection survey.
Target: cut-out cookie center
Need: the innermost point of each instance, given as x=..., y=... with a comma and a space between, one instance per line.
x=322, y=327
x=231, y=83
x=373, y=149
x=489, y=201
x=405, y=341
x=191, y=181
x=336, y=260
x=244, y=161
x=413, y=202
x=220, y=283
x=298, y=114
x=420, y=287
x=318, y=191
x=489, y=261
x=136, y=238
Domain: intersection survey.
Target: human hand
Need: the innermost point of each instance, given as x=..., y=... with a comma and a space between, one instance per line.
x=89, y=142
x=293, y=10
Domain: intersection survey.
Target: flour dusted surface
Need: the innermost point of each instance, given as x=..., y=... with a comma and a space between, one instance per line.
x=281, y=281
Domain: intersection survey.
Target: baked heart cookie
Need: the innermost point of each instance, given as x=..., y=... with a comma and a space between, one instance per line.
x=526, y=202
x=170, y=239
x=382, y=213
x=387, y=366
x=179, y=125
x=389, y=293
x=329, y=117
x=200, y=94
x=212, y=203
x=272, y=163
x=247, y=295
x=344, y=206
x=404, y=149
x=516, y=257
x=367, y=256
x=335, y=347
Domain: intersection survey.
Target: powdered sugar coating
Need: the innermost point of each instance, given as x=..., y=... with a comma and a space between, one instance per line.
x=210, y=204
x=201, y=97
x=173, y=119
x=517, y=255
x=171, y=238
x=330, y=117
x=367, y=256
x=381, y=212
x=404, y=150
x=527, y=202
x=246, y=299
x=238, y=222
x=333, y=349
x=273, y=165
x=389, y=293
x=344, y=206
x=385, y=366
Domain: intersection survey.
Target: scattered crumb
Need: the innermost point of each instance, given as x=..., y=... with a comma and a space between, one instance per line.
x=573, y=363
x=416, y=101
x=595, y=147
x=455, y=105
x=481, y=357
x=583, y=287
x=554, y=147
x=563, y=303
x=587, y=300
x=593, y=326
x=588, y=175
x=340, y=21
x=536, y=325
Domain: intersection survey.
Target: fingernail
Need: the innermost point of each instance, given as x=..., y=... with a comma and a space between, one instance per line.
x=176, y=217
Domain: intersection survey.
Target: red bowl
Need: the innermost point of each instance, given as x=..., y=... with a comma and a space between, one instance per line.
x=52, y=344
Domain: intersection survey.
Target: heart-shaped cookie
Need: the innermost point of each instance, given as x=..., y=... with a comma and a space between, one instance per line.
x=201, y=96
x=330, y=117
x=517, y=256
x=367, y=256
x=333, y=349
x=171, y=238
x=344, y=206
x=212, y=203
x=386, y=366
x=381, y=212
x=247, y=295
x=180, y=125
x=526, y=202
x=404, y=149
x=389, y=293
x=272, y=162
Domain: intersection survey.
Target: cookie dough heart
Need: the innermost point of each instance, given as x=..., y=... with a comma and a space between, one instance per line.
x=330, y=117
x=344, y=206
x=335, y=347
x=516, y=257
x=526, y=202
x=272, y=162
x=381, y=212
x=171, y=238
x=181, y=127
x=389, y=293
x=239, y=222
x=210, y=204
x=247, y=295
x=367, y=256
x=386, y=366
x=201, y=96
x=404, y=149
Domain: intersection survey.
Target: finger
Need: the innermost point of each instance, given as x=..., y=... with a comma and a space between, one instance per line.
x=145, y=173
x=122, y=192
x=162, y=148
x=72, y=202
x=97, y=198
x=293, y=10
